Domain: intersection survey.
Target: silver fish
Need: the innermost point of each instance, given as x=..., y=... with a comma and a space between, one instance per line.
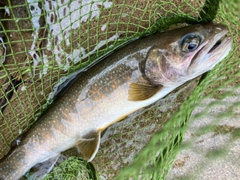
x=135, y=76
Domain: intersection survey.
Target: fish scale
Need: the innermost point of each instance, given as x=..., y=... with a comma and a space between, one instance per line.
x=135, y=76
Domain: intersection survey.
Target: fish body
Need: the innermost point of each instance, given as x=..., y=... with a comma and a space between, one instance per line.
x=135, y=76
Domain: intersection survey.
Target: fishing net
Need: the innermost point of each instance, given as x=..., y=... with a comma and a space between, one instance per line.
x=190, y=134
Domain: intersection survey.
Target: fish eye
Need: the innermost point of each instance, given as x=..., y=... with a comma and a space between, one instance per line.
x=190, y=42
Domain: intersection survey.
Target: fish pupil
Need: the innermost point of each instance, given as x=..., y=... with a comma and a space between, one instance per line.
x=192, y=46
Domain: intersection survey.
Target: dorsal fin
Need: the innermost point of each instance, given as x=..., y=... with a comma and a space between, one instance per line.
x=89, y=145
x=140, y=92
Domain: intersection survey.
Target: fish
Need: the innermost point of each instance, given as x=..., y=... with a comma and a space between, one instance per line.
x=131, y=78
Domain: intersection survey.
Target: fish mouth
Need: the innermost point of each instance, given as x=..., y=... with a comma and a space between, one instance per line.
x=216, y=44
x=223, y=39
x=212, y=52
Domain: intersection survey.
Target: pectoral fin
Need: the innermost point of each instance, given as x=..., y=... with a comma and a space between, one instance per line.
x=140, y=92
x=89, y=144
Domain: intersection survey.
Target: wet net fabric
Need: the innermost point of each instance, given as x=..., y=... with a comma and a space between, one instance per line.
x=42, y=42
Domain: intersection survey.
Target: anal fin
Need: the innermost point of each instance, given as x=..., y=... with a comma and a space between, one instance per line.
x=89, y=145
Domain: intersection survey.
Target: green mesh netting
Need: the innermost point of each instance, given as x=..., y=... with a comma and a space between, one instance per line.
x=41, y=42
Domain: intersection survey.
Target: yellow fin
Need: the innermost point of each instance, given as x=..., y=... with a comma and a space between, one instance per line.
x=89, y=145
x=140, y=92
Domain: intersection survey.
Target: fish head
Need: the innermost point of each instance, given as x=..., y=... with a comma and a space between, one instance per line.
x=186, y=53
